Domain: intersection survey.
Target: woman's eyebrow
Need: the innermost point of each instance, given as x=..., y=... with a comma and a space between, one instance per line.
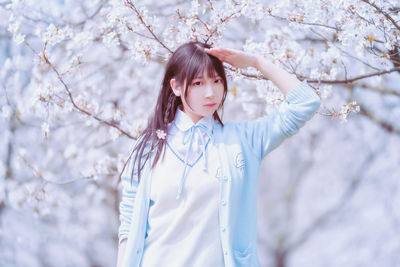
x=212, y=77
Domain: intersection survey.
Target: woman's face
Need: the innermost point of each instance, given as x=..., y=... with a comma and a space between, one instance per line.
x=204, y=96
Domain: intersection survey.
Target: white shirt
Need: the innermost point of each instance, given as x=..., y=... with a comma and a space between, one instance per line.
x=183, y=217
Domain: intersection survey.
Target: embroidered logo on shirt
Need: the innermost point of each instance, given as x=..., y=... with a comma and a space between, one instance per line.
x=239, y=161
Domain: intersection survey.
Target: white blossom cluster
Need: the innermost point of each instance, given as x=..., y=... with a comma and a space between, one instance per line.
x=79, y=80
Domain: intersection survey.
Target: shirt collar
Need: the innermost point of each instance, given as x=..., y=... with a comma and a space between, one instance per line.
x=186, y=131
x=183, y=122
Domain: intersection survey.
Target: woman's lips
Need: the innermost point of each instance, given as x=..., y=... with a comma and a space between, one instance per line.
x=210, y=105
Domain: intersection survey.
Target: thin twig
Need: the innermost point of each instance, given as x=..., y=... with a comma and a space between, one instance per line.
x=380, y=10
x=268, y=12
x=91, y=16
x=385, y=125
x=129, y=4
x=310, y=80
x=379, y=89
x=351, y=80
x=60, y=78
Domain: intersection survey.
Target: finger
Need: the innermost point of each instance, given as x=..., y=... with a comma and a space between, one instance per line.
x=215, y=54
x=221, y=54
x=210, y=51
x=224, y=51
x=219, y=49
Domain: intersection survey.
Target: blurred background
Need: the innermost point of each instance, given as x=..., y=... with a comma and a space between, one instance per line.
x=78, y=80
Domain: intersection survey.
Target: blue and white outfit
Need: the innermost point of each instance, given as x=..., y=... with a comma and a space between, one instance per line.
x=197, y=207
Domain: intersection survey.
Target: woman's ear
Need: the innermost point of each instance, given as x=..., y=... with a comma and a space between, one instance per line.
x=175, y=87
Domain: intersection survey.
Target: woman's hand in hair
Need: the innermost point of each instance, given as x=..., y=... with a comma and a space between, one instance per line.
x=236, y=58
x=239, y=59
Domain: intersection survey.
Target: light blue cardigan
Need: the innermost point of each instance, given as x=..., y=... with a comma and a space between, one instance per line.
x=242, y=146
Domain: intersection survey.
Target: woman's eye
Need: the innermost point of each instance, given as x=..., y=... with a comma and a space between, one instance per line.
x=218, y=81
x=197, y=83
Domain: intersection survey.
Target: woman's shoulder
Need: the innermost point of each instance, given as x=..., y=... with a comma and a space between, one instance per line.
x=231, y=128
x=234, y=124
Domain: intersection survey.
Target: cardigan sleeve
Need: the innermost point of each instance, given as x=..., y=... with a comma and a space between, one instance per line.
x=127, y=200
x=266, y=133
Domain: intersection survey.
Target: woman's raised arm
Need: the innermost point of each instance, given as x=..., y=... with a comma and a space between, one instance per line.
x=239, y=59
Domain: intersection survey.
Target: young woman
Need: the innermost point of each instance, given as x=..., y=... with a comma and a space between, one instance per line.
x=190, y=190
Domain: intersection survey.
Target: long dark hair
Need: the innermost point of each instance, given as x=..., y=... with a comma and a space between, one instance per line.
x=185, y=63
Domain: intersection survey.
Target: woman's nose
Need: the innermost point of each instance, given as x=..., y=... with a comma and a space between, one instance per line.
x=209, y=90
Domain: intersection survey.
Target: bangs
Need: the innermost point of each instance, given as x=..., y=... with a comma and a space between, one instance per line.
x=202, y=64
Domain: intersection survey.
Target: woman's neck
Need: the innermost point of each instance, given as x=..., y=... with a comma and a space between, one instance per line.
x=194, y=117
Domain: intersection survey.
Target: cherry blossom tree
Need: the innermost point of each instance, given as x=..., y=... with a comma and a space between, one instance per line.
x=78, y=79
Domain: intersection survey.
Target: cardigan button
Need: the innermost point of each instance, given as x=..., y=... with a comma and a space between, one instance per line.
x=225, y=252
x=223, y=202
x=223, y=229
x=225, y=178
x=138, y=251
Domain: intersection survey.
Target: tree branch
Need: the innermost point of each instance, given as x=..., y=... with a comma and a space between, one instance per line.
x=346, y=196
x=91, y=16
x=300, y=21
x=379, y=90
x=385, y=125
x=60, y=78
x=380, y=10
x=129, y=4
x=321, y=81
x=350, y=80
